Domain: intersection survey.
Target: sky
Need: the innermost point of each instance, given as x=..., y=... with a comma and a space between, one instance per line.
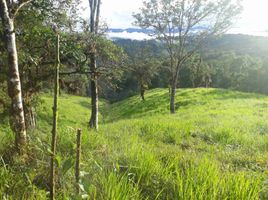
x=253, y=20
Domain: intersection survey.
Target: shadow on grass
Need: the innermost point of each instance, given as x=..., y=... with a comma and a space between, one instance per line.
x=85, y=104
x=157, y=100
x=154, y=103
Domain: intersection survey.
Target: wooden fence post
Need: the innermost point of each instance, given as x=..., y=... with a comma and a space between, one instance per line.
x=55, y=122
x=78, y=155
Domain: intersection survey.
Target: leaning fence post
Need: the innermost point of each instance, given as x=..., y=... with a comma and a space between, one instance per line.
x=78, y=155
x=55, y=122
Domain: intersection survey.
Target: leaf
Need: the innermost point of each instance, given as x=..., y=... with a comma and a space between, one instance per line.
x=58, y=160
x=81, y=186
x=28, y=179
x=49, y=151
x=67, y=165
x=116, y=167
x=84, y=196
x=83, y=173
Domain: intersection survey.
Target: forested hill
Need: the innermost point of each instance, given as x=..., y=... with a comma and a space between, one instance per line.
x=242, y=44
x=232, y=61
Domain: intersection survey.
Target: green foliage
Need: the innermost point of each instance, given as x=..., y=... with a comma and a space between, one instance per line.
x=231, y=61
x=110, y=57
x=144, y=66
x=116, y=187
x=141, y=68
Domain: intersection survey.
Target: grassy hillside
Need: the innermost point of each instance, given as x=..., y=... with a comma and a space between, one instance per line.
x=214, y=147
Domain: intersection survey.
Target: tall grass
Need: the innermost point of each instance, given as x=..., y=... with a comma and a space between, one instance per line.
x=214, y=147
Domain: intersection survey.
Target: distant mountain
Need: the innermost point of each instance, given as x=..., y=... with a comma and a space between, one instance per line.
x=141, y=34
x=130, y=30
x=129, y=33
x=147, y=31
x=243, y=57
x=239, y=43
x=136, y=33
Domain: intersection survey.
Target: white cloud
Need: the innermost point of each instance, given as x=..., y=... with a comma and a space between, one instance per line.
x=133, y=35
x=118, y=14
x=254, y=15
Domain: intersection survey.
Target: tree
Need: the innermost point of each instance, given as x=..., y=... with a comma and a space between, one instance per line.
x=231, y=70
x=8, y=12
x=183, y=26
x=200, y=73
x=94, y=28
x=143, y=66
x=36, y=46
x=102, y=60
x=35, y=57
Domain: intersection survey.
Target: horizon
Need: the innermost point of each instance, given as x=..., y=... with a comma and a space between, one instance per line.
x=118, y=15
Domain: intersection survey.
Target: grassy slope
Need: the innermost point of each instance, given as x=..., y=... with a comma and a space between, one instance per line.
x=214, y=147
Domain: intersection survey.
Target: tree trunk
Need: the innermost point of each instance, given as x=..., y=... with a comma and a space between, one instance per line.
x=30, y=117
x=94, y=27
x=173, y=87
x=142, y=92
x=55, y=123
x=172, y=97
x=17, y=120
x=93, y=123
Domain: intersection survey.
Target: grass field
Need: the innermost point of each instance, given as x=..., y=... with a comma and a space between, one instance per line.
x=214, y=147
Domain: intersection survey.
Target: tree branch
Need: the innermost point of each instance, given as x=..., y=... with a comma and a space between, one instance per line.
x=17, y=8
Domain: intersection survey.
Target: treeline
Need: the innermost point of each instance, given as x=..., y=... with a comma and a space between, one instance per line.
x=236, y=62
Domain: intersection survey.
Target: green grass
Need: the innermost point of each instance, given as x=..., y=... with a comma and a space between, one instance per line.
x=214, y=147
